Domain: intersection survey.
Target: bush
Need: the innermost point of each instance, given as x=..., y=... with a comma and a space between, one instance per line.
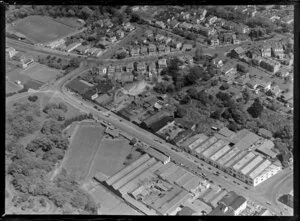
x=33, y=98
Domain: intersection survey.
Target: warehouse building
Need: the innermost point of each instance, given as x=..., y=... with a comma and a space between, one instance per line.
x=219, y=153
x=201, y=139
x=190, y=140
x=241, y=163
x=242, y=173
x=213, y=149
x=266, y=174
x=205, y=145
x=158, y=155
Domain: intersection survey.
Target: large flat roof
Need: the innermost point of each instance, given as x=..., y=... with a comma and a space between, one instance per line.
x=220, y=153
x=243, y=161
x=259, y=169
x=251, y=165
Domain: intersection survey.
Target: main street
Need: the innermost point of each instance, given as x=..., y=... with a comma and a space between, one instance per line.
x=190, y=162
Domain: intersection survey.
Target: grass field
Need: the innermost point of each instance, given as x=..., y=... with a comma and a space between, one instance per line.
x=42, y=29
x=109, y=157
x=40, y=72
x=11, y=87
x=72, y=22
x=82, y=150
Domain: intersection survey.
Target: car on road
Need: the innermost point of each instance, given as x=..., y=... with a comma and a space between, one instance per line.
x=268, y=203
x=246, y=188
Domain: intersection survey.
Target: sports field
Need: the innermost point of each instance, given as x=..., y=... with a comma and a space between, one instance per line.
x=11, y=87
x=109, y=157
x=40, y=72
x=82, y=151
x=42, y=29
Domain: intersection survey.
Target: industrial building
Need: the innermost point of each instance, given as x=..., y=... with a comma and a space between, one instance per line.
x=153, y=187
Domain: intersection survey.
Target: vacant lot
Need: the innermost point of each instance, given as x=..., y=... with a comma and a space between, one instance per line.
x=11, y=87
x=82, y=151
x=40, y=72
x=110, y=156
x=42, y=29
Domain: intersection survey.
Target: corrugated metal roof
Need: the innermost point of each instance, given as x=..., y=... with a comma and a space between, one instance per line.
x=220, y=153
x=236, y=158
x=226, y=132
x=259, y=169
x=175, y=202
x=251, y=165
x=169, y=195
x=184, y=179
x=168, y=171
x=228, y=156
x=176, y=175
x=197, y=142
x=243, y=161
x=214, y=148
x=127, y=169
x=206, y=144
x=192, y=184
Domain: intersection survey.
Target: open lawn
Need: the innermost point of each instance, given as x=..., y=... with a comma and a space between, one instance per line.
x=109, y=203
x=72, y=22
x=15, y=75
x=11, y=87
x=83, y=149
x=40, y=72
x=42, y=29
x=110, y=156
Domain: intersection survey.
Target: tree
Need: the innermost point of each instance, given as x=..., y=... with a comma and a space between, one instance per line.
x=170, y=88
x=186, y=99
x=56, y=114
x=33, y=98
x=192, y=92
x=160, y=88
x=41, y=142
x=195, y=73
x=63, y=107
x=198, y=54
x=246, y=95
x=180, y=112
x=255, y=109
x=224, y=86
x=59, y=141
x=217, y=113
x=51, y=127
x=53, y=155
x=241, y=68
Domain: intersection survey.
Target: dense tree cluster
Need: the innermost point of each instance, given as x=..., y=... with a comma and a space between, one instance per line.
x=81, y=117
x=256, y=108
x=58, y=63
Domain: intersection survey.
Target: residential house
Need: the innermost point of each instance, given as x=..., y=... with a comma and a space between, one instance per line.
x=161, y=48
x=128, y=26
x=159, y=37
x=234, y=202
x=26, y=61
x=238, y=52
x=274, y=91
x=167, y=49
x=82, y=49
x=91, y=51
x=202, y=13
x=274, y=18
x=152, y=67
x=187, y=47
x=173, y=24
x=277, y=50
x=176, y=45
x=107, y=23
x=120, y=33
x=186, y=26
x=229, y=25
x=110, y=70
x=167, y=40
x=206, y=31
x=287, y=20
x=266, y=50
x=228, y=68
x=241, y=28
x=218, y=62
x=211, y=19
x=129, y=67
x=97, y=52
x=270, y=65
x=135, y=51
x=73, y=46
x=214, y=41
x=152, y=49
x=102, y=70
x=148, y=33
x=11, y=51
x=226, y=38
x=111, y=37
x=103, y=43
x=188, y=59
x=242, y=80
x=118, y=68
x=160, y=24
x=162, y=63
x=235, y=40
x=55, y=44
x=127, y=77
x=141, y=67
x=144, y=50
x=253, y=52
x=255, y=83
x=251, y=12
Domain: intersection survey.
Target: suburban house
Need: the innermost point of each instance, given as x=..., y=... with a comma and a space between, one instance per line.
x=202, y=14
x=97, y=52
x=277, y=50
x=235, y=40
x=176, y=45
x=160, y=24
x=174, y=23
x=226, y=38
x=257, y=59
x=26, y=61
x=187, y=47
x=82, y=49
x=129, y=67
x=218, y=62
x=152, y=49
x=270, y=65
x=55, y=44
x=141, y=67
x=274, y=91
x=167, y=49
x=126, y=77
x=128, y=26
x=228, y=68
x=162, y=63
x=214, y=41
x=161, y=48
x=120, y=33
x=265, y=50
x=148, y=33
x=11, y=51
x=102, y=70
x=167, y=40
x=112, y=38
x=255, y=83
x=253, y=52
x=73, y=46
x=238, y=52
x=159, y=37
x=206, y=31
x=241, y=28
x=242, y=80
x=135, y=51
x=110, y=70
x=118, y=68
x=152, y=67
x=188, y=59
x=107, y=23
x=144, y=50
x=287, y=20
x=211, y=19
x=186, y=26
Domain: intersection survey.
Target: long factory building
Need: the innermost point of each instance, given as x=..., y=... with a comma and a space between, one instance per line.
x=234, y=154
x=174, y=184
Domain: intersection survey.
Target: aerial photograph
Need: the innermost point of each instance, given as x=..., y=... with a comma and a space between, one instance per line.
x=149, y=110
